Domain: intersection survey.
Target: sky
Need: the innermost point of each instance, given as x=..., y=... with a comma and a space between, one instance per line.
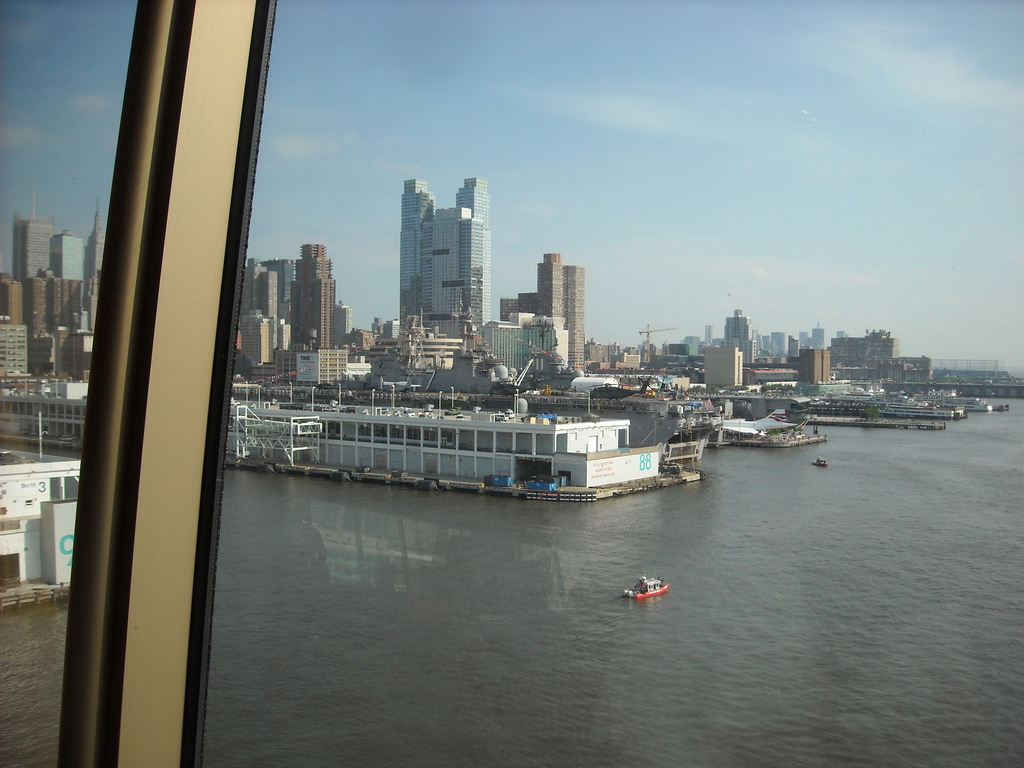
x=857, y=166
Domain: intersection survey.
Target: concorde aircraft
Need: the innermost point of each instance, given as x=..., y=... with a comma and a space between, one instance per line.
x=773, y=422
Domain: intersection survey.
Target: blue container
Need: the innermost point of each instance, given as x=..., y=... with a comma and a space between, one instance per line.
x=499, y=480
x=541, y=485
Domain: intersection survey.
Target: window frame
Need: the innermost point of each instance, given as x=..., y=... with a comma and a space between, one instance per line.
x=153, y=445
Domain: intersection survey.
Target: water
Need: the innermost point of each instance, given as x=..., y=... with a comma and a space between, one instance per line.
x=31, y=673
x=870, y=613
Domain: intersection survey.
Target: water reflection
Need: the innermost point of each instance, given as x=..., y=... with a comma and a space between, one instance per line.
x=375, y=549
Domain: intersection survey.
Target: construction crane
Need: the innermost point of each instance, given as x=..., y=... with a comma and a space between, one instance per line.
x=653, y=329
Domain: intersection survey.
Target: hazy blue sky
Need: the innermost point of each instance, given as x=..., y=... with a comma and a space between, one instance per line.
x=857, y=165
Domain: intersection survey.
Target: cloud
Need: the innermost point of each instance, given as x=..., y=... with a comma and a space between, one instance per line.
x=20, y=136
x=406, y=169
x=306, y=146
x=90, y=104
x=614, y=107
x=889, y=59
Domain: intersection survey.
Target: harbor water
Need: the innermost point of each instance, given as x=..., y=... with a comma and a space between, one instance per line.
x=869, y=613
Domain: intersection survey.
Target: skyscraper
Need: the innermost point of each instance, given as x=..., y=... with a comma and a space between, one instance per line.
x=739, y=334
x=561, y=292
x=91, y=269
x=343, y=321
x=67, y=256
x=285, y=269
x=11, y=298
x=30, y=245
x=417, y=210
x=818, y=337
x=445, y=257
x=265, y=294
x=94, y=249
x=312, y=299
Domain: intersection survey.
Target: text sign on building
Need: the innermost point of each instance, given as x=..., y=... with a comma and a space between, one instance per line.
x=307, y=367
x=622, y=469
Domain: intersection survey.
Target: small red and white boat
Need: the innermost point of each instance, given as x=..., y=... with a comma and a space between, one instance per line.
x=645, y=588
x=819, y=462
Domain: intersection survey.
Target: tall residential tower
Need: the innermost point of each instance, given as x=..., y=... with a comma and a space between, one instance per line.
x=445, y=257
x=561, y=293
x=312, y=299
x=739, y=334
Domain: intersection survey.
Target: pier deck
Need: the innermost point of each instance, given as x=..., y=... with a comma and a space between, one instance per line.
x=856, y=421
x=32, y=594
x=470, y=485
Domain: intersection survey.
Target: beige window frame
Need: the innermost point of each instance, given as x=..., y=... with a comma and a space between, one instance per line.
x=152, y=451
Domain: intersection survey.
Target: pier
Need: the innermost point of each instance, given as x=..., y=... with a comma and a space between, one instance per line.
x=33, y=594
x=857, y=421
x=468, y=485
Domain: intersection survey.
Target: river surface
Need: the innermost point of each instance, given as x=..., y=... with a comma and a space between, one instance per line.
x=870, y=613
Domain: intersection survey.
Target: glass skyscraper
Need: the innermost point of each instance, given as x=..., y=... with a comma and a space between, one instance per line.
x=445, y=268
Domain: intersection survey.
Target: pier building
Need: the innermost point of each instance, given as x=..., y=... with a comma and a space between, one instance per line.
x=34, y=528
x=585, y=454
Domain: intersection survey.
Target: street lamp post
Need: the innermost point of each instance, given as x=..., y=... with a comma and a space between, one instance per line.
x=41, y=433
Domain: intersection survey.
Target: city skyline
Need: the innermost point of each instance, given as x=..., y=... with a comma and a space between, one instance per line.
x=857, y=166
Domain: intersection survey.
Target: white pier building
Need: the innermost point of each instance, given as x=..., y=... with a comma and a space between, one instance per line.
x=586, y=454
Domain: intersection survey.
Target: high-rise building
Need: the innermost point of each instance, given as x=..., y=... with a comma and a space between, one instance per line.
x=11, y=300
x=284, y=335
x=515, y=341
x=817, y=337
x=739, y=334
x=13, y=349
x=814, y=366
x=90, y=300
x=524, y=303
x=868, y=350
x=63, y=304
x=285, y=269
x=561, y=292
x=709, y=332
x=343, y=321
x=34, y=305
x=312, y=299
x=265, y=293
x=417, y=210
x=445, y=257
x=259, y=337
x=67, y=256
x=76, y=355
x=723, y=366
x=31, y=245
x=249, y=273
x=94, y=249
